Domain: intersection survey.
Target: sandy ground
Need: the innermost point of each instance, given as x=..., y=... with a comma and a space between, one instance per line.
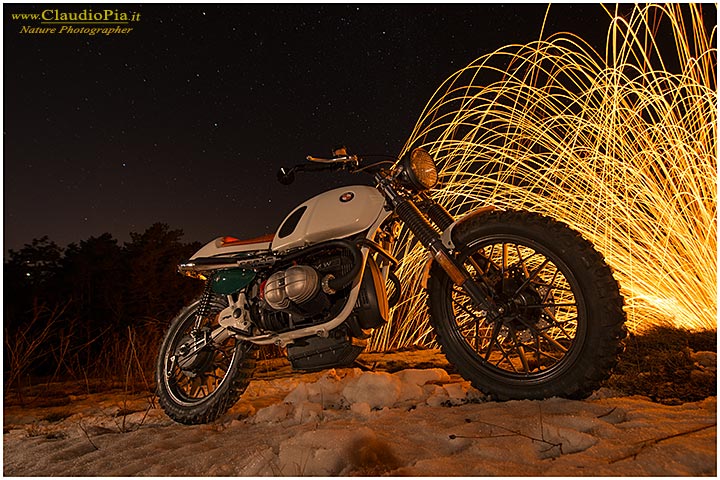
x=416, y=422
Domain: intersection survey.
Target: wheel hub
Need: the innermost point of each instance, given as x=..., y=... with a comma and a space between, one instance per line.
x=516, y=309
x=194, y=354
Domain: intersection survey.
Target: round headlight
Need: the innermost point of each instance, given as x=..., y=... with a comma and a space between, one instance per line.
x=419, y=169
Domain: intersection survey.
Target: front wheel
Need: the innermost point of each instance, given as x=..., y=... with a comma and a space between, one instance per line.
x=556, y=320
x=199, y=379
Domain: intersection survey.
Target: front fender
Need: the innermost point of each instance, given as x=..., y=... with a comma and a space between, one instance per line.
x=446, y=236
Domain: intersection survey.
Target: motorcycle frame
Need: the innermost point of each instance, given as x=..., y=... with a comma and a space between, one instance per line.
x=321, y=330
x=403, y=205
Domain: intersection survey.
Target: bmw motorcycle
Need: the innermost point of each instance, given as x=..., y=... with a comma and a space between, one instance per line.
x=520, y=304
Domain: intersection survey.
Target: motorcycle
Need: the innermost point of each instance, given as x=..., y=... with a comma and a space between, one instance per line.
x=521, y=305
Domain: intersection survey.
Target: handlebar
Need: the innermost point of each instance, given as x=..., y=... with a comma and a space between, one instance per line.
x=341, y=159
x=345, y=162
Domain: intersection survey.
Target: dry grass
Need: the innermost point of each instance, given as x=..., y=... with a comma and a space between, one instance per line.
x=665, y=365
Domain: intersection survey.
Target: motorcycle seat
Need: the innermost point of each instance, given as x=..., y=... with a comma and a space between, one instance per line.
x=263, y=240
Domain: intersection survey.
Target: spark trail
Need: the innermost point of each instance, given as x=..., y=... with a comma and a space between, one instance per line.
x=620, y=146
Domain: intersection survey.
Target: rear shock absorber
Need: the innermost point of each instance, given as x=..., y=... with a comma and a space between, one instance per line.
x=203, y=309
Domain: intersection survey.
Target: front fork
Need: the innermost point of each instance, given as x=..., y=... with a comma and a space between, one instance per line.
x=429, y=237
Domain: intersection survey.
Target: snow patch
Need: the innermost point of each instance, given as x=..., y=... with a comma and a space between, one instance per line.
x=331, y=452
x=376, y=389
x=559, y=440
x=348, y=422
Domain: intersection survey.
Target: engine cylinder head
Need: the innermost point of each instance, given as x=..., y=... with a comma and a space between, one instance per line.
x=297, y=284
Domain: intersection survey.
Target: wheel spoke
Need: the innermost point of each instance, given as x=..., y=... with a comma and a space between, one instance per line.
x=548, y=305
x=553, y=342
x=493, y=340
x=521, y=260
x=481, y=273
x=550, y=314
x=506, y=357
x=540, y=353
x=206, y=369
x=520, y=350
x=549, y=287
x=538, y=317
x=213, y=375
x=464, y=307
x=531, y=277
x=562, y=329
x=194, y=389
x=491, y=261
x=545, y=335
x=473, y=320
x=504, y=259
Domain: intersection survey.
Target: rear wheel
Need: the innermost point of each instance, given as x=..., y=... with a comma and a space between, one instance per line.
x=198, y=379
x=556, y=322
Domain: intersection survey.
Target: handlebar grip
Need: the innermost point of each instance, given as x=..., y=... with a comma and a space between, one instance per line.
x=286, y=176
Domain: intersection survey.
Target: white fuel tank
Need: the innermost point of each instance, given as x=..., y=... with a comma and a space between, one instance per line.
x=334, y=214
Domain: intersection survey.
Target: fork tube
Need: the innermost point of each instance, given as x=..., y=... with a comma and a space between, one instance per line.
x=429, y=237
x=436, y=212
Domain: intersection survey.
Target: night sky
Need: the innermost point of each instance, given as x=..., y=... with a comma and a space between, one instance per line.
x=186, y=119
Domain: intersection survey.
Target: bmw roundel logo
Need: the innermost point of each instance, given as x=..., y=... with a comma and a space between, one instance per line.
x=346, y=197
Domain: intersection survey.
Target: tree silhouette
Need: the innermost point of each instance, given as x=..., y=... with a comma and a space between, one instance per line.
x=31, y=274
x=108, y=294
x=95, y=272
x=155, y=289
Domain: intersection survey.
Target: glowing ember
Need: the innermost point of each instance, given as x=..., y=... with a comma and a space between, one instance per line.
x=622, y=147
